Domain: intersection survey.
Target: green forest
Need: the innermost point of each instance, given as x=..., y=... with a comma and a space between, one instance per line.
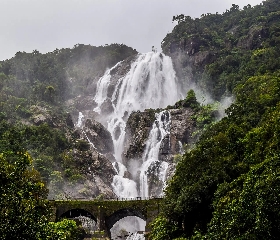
x=37, y=134
x=226, y=187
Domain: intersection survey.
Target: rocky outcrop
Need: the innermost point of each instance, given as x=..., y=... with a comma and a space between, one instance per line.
x=43, y=115
x=253, y=39
x=81, y=103
x=98, y=136
x=138, y=128
x=97, y=175
x=182, y=127
x=137, y=131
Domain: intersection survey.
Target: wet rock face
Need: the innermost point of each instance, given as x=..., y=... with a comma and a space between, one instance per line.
x=138, y=128
x=99, y=136
x=95, y=174
x=92, y=162
x=182, y=127
x=180, y=133
x=99, y=174
x=106, y=107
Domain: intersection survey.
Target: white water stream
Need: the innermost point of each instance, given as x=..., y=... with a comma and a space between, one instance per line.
x=150, y=83
x=160, y=129
x=102, y=88
x=127, y=228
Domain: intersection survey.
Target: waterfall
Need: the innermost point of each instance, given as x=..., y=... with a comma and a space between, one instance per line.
x=102, y=88
x=127, y=228
x=161, y=127
x=123, y=187
x=87, y=223
x=150, y=83
x=80, y=120
x=136, y=236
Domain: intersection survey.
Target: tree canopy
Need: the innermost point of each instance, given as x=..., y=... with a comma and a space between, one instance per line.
x=227, y=186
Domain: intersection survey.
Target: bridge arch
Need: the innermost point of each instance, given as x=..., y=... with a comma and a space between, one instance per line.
x=120, y=214
x=77, y=212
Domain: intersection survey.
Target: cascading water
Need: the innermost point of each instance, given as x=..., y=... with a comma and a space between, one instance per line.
x=102, y=88
x=136, y=236
x=123, y=230
x=87, y=223
x=123, y=187
x=80, y=125
x=150, y=83
x=160, y=129
x=80, y=120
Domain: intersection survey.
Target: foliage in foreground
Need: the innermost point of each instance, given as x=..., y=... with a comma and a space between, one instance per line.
x=24, y=210
x=227, y=187
x=162, y=228
x=64, y=230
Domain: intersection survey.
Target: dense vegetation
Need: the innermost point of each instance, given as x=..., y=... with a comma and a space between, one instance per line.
x=227, y=187
x=36, y=133
x=226, y=49
x=59, y=75
x=25, y=212
x=33, y=90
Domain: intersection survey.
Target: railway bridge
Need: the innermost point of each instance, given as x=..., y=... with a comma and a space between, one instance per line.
x=107, y=212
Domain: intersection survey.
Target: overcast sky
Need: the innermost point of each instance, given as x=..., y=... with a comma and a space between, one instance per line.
x=49, y=24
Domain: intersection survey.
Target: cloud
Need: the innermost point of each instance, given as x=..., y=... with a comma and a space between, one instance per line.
x=48, y=24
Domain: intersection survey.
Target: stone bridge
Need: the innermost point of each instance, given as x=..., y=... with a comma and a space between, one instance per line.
x=106, y=213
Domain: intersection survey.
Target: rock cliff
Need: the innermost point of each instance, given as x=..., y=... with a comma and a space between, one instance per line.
x=138, y=128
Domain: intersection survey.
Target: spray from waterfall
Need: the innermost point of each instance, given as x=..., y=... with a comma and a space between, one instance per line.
x=150, y=83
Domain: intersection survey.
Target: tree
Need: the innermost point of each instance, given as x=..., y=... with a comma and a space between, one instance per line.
x=162, y=228
x=248, y=208
x=50, y=92
x=24, y=210
x=64, y=230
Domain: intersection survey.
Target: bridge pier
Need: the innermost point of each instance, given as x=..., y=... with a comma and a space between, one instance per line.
x=101, y=220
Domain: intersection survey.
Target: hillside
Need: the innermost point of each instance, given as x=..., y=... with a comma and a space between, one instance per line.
x=220, y=51
x=35, y=116
x=63, y=114
x=227, y=187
